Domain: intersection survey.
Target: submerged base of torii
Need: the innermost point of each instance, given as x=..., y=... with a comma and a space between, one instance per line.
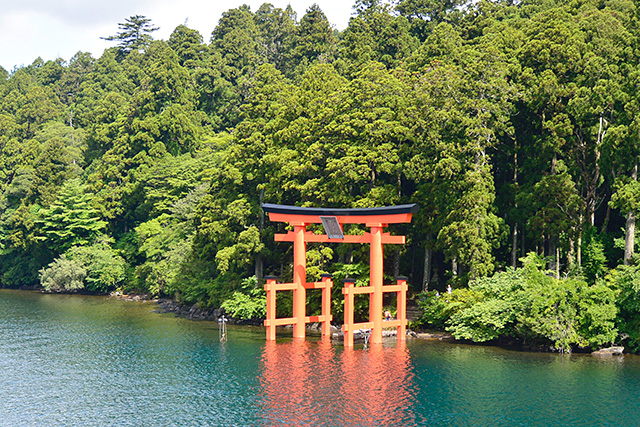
x=333, y=219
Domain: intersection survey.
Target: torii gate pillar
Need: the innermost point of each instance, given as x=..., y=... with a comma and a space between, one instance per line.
x=376, y=277
x=300, y=279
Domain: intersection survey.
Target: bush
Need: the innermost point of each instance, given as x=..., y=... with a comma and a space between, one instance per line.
x=63, y=275
x=438, y=309
x=96, y=268
x=626, y=281
x=529, y=305
x=105, y=269
x=250, y=303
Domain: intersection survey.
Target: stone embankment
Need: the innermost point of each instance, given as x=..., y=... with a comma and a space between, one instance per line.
x=440, y=336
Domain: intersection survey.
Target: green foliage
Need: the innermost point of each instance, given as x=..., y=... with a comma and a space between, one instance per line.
x=313, y=39
x=626, y=196
x=71, y=220
x=63, y=275
x=134, y=35
x=317, y=262
x=105, y=269
x=188, y=45
x=529, y=305
x=165, y=242
x=594, y=264
x=439, y=308
x=248, y=303
x=626, y=281
x=96, y=268
x=359, y=272
x=495, y=117
x=377, y=34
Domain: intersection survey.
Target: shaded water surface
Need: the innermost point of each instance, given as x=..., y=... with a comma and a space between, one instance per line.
x=94, y=361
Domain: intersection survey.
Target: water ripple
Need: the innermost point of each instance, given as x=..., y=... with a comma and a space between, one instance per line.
x=89, y=361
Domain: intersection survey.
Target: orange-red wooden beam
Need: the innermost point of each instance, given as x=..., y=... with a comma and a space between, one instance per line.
x=309, y=237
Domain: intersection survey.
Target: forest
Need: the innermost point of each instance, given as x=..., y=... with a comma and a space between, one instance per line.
x=514, y=125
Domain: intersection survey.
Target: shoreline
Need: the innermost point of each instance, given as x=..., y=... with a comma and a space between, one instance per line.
x=193, y=312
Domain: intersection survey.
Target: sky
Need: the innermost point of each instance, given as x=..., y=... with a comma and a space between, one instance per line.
x=52, y=29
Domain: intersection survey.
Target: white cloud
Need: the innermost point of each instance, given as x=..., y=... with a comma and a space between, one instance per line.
x=49, y=29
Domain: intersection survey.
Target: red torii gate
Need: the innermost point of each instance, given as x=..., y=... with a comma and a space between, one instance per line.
x=332, y=219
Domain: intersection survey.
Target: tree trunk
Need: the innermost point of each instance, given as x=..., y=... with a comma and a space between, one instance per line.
x=259, y=262
x=630, y=226
x=514, y=245
x=592, y=184
x=514, y=235
x=396, y=263
x=605, y=223
x=571, y=255
x=426, y=274
x=629, y=237
x=557, y=262
x=258, y=270
x=579, y=257
x=551, y=253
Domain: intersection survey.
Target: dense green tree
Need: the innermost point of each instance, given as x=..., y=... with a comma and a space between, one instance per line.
x=188, y=45
x=424, y=15
x=134, y=34
x=554, y=213
x=235, y=54
x=236, y=39
x=460, y=129
x=375, y=34
x=35, y=107
x=71, y=220
x=251, y=303
x=313, y=40
x=626, y=281
x=531, y=306
x=277, y=27
x=105, y=268
x=622, y=150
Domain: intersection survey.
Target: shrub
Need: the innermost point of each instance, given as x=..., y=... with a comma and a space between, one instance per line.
x=63, y=275
x=626, y=281
x=250, y=303
x=529, y=305
x=105, y=269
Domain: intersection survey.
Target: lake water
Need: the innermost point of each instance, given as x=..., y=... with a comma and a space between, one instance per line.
x=94, y=361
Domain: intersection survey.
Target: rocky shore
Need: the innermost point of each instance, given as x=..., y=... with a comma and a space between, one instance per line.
x=193, y=312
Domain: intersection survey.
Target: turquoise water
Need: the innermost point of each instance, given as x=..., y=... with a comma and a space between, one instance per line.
x=95, y=361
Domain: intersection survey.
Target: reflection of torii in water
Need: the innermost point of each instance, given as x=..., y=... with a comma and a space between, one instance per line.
x=332, y=220
x=299, y=381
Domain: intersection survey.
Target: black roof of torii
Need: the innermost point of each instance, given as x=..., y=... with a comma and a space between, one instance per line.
x=297, y=210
